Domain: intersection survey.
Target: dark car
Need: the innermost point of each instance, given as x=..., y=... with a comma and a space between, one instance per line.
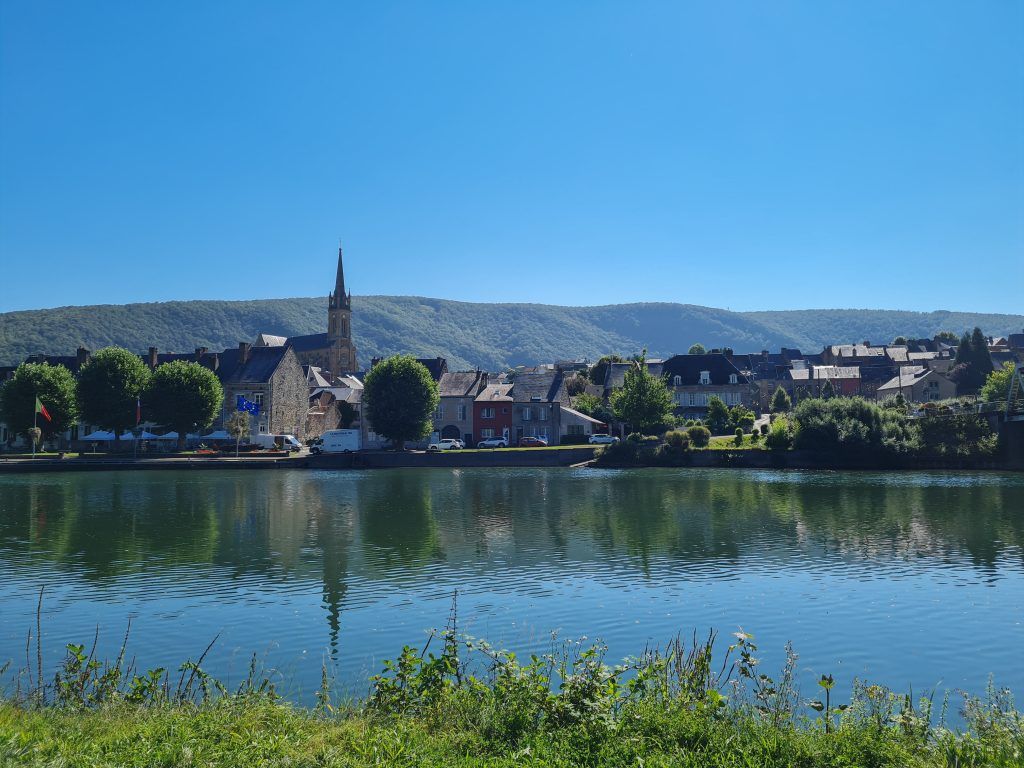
x=532, y=442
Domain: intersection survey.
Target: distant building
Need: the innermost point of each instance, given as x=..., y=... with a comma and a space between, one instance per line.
x=492, y=412
x=917, y=385
x=270, y=377
x=537, y=400
x=454, y=416
x=695, y=379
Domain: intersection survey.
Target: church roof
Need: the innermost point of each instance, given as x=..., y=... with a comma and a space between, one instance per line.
x=308, y=342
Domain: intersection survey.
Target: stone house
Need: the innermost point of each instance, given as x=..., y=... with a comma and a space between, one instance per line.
x=271, y=377
x=695, y=379
x=917, y=385
x=454, y=416
x=815, y=380
x=492, y=412
x=537, y=400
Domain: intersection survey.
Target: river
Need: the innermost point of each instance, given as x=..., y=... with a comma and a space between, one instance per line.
x=910, y=579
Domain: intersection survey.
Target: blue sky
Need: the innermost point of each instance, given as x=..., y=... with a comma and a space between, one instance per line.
x=743, y=155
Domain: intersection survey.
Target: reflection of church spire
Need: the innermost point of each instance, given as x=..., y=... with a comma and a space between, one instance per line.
x=333, y=549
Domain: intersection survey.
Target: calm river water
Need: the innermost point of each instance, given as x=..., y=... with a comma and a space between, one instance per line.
x=913, y=579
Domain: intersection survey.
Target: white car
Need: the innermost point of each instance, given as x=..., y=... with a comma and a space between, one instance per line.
x=603, y=440
x=447, y=444
x=493, y=442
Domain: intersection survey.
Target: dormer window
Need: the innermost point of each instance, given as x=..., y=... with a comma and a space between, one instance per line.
x=705, y=377
x=677, y=381
x=732, y=378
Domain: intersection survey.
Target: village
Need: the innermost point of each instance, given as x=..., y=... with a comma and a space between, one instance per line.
x=304, y=386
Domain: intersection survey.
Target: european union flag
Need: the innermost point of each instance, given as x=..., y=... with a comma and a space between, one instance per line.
x=241, y=404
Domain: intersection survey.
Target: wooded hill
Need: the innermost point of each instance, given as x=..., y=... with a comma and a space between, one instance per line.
x=491, y=336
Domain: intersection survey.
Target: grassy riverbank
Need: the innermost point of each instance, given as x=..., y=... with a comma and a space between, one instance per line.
x=680, y=707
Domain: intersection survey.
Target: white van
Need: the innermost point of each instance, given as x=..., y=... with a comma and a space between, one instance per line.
x=337, y=441
x=279, y=442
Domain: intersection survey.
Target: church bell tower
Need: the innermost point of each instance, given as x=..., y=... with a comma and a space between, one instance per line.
x=342, y=352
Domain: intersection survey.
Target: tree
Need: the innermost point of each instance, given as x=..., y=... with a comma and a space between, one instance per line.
x=599, y=370
x=238, y=426
x=346, y=414
x=718, y=415
x=576, y=384
x=109, y=387
x=644, y=401
x=972, y=353
x=900, y=341
x=779, y=437
x=947, y=336
x=400, y=398
x=741, y=418
x=699, y=436
x=738, y=439
x=184, y=396
x=780, y=402
x=997, y=386
x=53, y=385
x=593, y=406
x=696, y=349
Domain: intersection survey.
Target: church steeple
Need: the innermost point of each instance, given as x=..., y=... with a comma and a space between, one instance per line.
x=339, y=299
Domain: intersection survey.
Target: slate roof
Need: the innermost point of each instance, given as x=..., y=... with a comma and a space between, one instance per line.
x=581, y=416
x=438, y=366
x=1015, y=340
x=314, y=378
x=856, y=350
x=269, y=340
x=897, y=354
x=825, y=373
x=499, y=391
x=462, y=383
x=260, y=366
x=540, y=387
x=908, y=376
x=615, y=375
x=689, y=367
x=309, y=342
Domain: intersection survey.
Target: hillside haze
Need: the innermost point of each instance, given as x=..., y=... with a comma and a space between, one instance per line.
x=491, y=336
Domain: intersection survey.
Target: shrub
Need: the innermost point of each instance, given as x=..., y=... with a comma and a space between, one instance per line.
x=764, y=429
x=755, y=437
x=677, y=439
x=779, y=437
x=699, y=436
x=634, y=437
x=574, y=440
x=738, y=440
x=847, y=423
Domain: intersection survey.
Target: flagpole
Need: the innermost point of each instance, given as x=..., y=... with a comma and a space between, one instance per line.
x=35, y=419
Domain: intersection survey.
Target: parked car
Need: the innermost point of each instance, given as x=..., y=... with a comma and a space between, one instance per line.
x=493, y=442
x=603, y=440
x=448, y=444
x=532, y=442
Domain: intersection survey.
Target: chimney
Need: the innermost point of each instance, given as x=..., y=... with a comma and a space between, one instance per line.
x=152, y=358
x=82, y=356
x=200, y=353
x=867, y=343
x=244, y=348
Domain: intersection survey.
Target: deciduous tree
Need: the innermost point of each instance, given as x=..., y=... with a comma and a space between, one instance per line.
x=109, y=386
x=780, y=402
x=400, y=398
x=644, y=401
x=53, y=385
x=718, y=415
x=184, y=396
x=696, y=349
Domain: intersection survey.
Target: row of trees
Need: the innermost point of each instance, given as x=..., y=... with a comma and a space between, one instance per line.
x=182, y=396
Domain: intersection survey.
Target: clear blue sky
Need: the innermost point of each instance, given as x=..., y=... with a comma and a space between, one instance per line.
x=743, y=155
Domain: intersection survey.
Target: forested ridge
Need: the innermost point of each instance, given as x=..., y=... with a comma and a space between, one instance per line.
x=491, y=336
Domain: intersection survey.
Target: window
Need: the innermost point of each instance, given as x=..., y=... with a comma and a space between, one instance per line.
x=526, y=414
x=542, y=432
x=439, y=413
x=693, y=398
x=543, y=413
x=263, y=429
x=677, y=381
x=505, y=411
x=486, y=433
x=705, y=377
x=257, y=398
x=732, y=378
x=462, y=413
x=575, y=429
x=486, y=413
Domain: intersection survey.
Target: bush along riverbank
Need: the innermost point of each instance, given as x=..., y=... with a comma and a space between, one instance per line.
x=460, y=702
x=841, y=432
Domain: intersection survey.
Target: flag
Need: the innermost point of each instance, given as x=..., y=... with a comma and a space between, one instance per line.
x=138, y=411
x=241, y=404
x=40, y=408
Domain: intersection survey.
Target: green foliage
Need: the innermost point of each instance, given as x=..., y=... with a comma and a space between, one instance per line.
x=593, y=406
x=779, y=437
x=973, y=362
x=53, y=385
x=576, y=384
x=780, y=402
x=741, y=418
x=718, y=415
x=947, y=336
x=346, y=414
x=678, y=439
x=967, y=435
x=899, y=341
x=238, y=425
x=738, y=439
x=109, y=386
x=842, y=423
x=997, y=385
x=184, y=396
x=400, y=398
x=696, y=349
x=699, y=436
x=644, y=401
x=466, y=334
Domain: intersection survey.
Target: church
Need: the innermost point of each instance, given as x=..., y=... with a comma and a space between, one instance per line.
x=333, y=352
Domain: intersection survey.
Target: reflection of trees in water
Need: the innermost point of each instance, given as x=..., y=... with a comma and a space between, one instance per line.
x=396, y=523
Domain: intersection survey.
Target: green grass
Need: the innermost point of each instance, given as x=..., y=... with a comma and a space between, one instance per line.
x=728, y=443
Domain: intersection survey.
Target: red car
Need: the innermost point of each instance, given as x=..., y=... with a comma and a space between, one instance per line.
x=532, y=442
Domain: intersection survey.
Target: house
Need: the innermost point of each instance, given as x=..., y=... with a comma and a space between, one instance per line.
x=917, y=385
x=815, y=380
x=454, y=415
x=437, y=366
x=694, y=379
x=537, y=400
x=575, y=425
x=615, y=374
x=270, y=377
x=492, y=411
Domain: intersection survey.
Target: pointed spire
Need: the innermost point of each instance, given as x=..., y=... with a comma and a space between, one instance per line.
x=339, y=282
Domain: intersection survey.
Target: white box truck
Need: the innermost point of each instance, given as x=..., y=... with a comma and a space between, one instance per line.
x=337, y=441
x=277, y=442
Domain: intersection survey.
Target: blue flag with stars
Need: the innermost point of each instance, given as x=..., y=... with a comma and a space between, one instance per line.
x=241, y=404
